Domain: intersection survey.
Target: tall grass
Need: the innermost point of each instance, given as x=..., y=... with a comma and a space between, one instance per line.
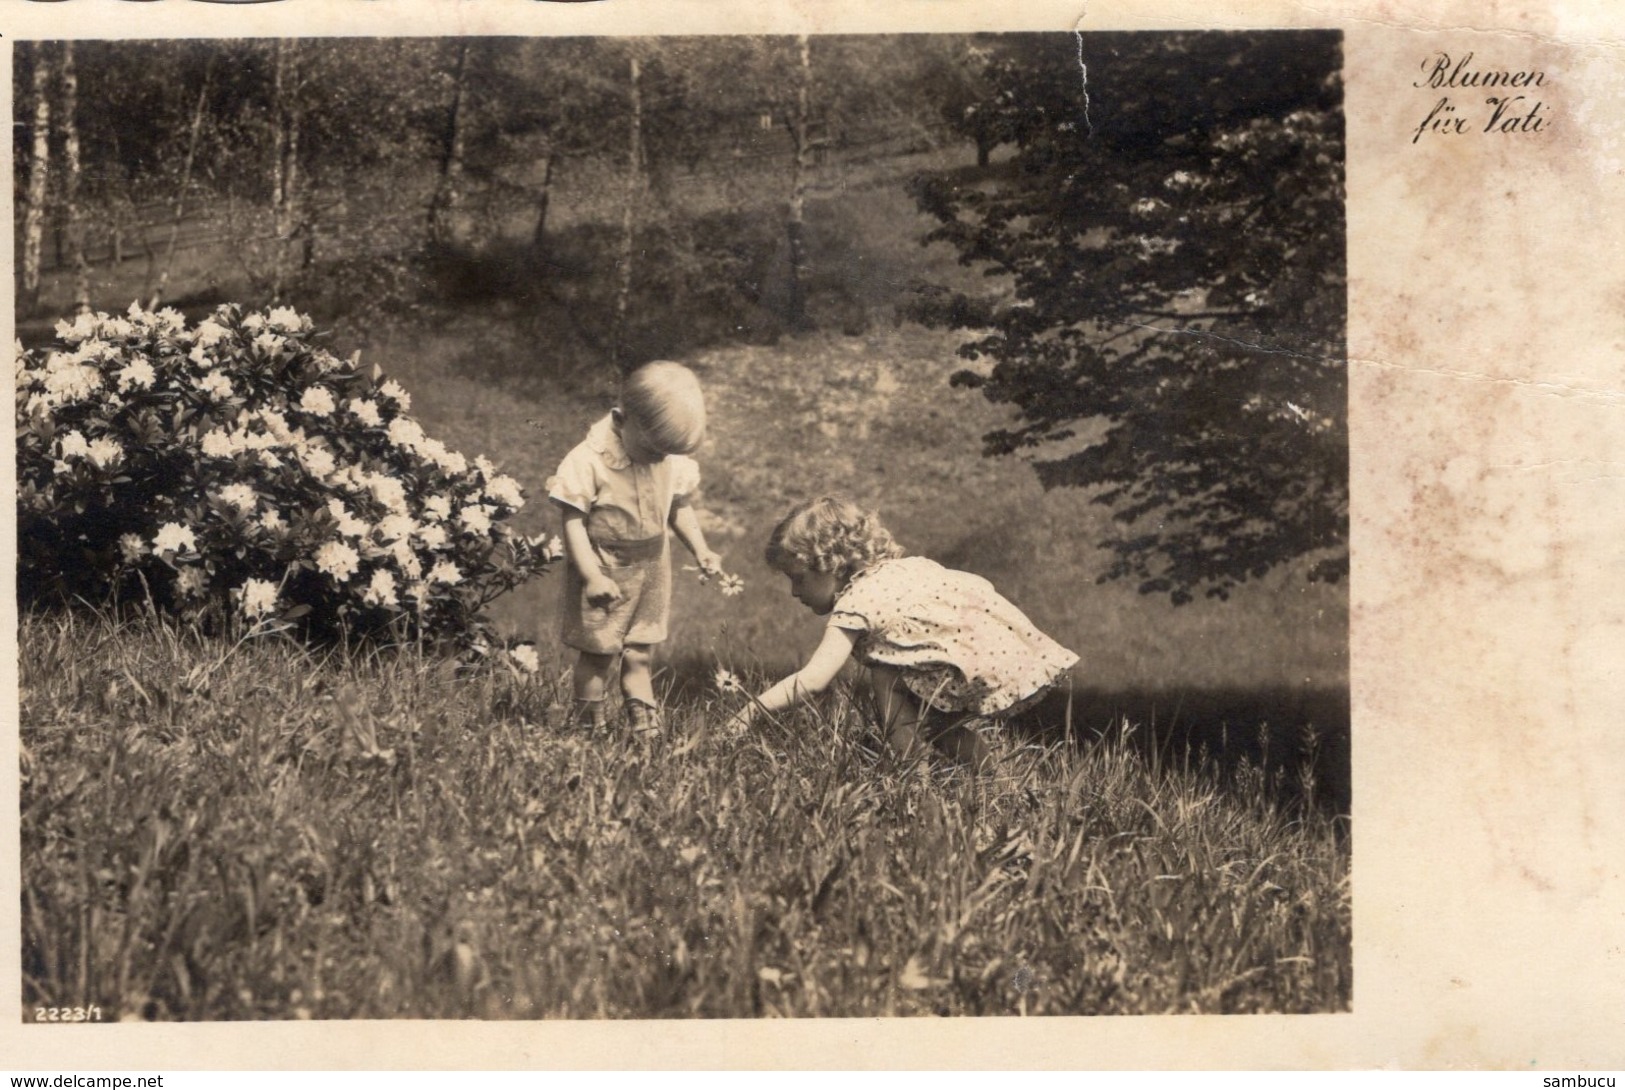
x=251, y=830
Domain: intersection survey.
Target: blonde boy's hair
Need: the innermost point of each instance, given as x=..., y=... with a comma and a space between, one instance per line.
x=830, y=534
x=665, y=400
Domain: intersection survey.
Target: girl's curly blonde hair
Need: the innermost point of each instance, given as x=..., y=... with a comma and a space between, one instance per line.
x=830, y=534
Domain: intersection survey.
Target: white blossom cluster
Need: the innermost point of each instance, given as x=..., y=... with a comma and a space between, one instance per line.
x=276, y=448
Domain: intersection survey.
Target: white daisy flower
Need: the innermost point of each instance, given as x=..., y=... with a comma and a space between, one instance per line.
x=525, y=657
x=433, y=536
x=445, y=572
x=131, y=547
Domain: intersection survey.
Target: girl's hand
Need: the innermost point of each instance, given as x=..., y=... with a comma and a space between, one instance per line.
x=602, y=591
x=710, y=563
x=738, y=724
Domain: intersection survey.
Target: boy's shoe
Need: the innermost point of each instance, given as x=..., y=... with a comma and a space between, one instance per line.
x=642, y=718
x=590, y=715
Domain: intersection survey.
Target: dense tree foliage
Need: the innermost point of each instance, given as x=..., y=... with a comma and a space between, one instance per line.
x=1171, y=224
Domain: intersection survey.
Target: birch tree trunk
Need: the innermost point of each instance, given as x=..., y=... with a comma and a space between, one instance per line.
x=39, y=173
x=634, y=166
x=795, y=223
x=448, y=194
x=70, y=189
x=538, y=238
x=285, y=165
x=180, y=196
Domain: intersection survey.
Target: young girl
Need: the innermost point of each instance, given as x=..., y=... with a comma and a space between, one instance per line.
x=942, y=646
x=618, y=490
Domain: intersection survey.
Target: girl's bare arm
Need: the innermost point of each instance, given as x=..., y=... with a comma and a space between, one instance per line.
x=814, y=677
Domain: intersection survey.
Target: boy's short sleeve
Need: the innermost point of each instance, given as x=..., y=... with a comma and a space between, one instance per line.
x=575, y=485
x=685, y=477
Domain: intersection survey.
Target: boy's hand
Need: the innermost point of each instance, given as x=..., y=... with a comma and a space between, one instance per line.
x=602, y=591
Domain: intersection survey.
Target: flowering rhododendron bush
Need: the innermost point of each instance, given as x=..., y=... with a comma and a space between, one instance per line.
x=239, y=469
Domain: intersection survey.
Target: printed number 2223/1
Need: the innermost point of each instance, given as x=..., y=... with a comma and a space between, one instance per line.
x=67, y=1014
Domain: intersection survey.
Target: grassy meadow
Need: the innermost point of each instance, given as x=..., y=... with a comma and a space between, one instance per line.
x=217, y=828
x=251, y=830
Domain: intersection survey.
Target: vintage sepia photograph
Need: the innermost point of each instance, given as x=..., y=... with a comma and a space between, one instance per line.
x=747, y=526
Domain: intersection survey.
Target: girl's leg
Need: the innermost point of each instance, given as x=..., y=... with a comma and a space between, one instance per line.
x=961, y=744
x=637, y=684
x=591, y=680
x=898, y=710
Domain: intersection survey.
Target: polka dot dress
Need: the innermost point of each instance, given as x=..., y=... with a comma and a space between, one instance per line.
x=960, y=646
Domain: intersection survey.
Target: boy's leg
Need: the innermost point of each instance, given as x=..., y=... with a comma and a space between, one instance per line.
x=898, y=711
x=637, y=685
x=590, y=681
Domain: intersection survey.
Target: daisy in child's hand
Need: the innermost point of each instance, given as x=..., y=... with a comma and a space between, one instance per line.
x=731, y=585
